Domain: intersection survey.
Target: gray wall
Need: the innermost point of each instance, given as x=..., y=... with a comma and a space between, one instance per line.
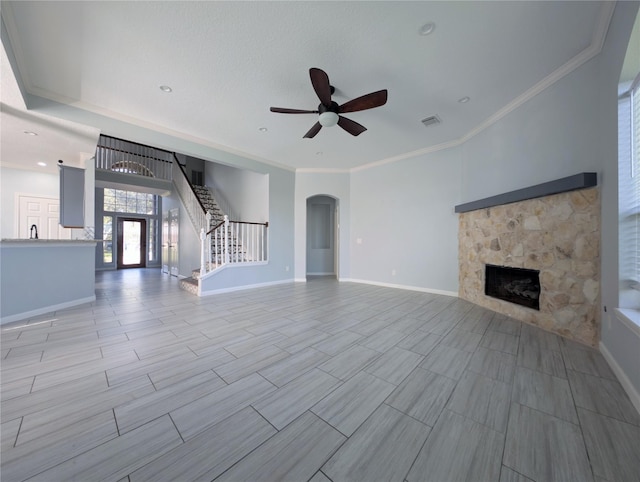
x=243, y=195
x=403, y=228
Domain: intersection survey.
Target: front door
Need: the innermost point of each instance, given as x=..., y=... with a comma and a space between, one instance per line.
x=132, y=245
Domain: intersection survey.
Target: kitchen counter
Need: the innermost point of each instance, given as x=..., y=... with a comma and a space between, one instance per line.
x=39, y=276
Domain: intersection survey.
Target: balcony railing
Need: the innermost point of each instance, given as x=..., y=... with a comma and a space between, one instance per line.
x=118, y=155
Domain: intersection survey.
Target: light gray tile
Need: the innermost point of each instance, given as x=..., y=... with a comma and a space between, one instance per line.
x=544, y=392
x=476, y=321
x=9, y=434
x=175, y=373
x=137, y=412
x=254, y=344
x=349, y=362
x=40, y=454
x=607, y=397
x=505, y=324
x=383, y=340
x=350, y=404
x=207, y=455
x=338, y=342
x=422, y=395
x=236, y=369
x=289, y=402
x=132, y=451
x=295, y=453
x=462, y=340
x=447, y=361
x=543, y=447
x=537, y=337
x=287, y=369
x=533, y=356
x=54, y=418
x=395, y=365
x=301, y=341
x=508, y=475
x=211, y=409
x=587, y=361
x=459, y=449
x=482, y=399
x=504, y=342
x=319, y=477
x=16, y=388
x=493, y=364
x=613, y=446
x=383, y=448
x=420, y=342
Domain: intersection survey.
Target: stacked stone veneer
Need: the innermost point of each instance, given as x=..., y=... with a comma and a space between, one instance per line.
x=558, y=235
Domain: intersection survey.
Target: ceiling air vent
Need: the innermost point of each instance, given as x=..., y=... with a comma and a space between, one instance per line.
x=431, y=121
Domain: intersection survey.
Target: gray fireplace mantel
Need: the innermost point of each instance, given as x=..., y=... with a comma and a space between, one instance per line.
x=566, y=184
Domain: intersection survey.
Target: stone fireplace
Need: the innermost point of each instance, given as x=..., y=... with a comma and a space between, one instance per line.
x=557, y=235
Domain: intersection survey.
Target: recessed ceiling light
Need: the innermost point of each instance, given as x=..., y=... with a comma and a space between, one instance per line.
x=30, y=133
x=166, y=88
x=427, y=28
x=464, y=100
x=42, y=164
x=263, y=129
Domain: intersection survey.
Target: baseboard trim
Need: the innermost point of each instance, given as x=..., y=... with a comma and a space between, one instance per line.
x=634, y=396
x=402, y=287
x=47, y=309
x=245, y=287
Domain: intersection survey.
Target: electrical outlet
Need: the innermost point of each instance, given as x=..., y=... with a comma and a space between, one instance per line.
x=286, y=268
x=393, y=272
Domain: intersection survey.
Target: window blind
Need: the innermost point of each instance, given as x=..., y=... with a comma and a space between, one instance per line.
x=629, y=187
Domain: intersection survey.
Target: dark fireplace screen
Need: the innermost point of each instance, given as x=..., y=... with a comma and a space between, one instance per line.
x=517, y=285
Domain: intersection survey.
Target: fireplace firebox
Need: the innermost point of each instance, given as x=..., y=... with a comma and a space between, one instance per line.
x=516, y=285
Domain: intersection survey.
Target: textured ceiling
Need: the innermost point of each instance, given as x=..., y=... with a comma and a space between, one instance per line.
x=228, y=62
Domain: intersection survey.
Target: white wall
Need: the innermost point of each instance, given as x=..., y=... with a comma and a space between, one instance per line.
x=337, y=186
x=403, y=214
x=189, y=238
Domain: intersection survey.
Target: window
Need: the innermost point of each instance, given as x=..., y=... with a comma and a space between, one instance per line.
x=107, y=239
x=629, y=195
x=130, y=202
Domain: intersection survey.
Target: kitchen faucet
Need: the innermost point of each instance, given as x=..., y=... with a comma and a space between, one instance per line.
x=33, y=226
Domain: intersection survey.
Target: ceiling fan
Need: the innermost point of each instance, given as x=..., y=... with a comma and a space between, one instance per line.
x=330, y=111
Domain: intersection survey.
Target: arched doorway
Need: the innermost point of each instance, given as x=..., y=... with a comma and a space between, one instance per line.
x=322, y=233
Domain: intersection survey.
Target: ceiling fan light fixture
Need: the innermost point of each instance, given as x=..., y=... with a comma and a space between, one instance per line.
x=328, y=119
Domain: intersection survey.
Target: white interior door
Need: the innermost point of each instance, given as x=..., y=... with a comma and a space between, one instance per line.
x=44, y=213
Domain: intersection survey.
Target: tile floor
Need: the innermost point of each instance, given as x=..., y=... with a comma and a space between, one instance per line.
x=317, y=381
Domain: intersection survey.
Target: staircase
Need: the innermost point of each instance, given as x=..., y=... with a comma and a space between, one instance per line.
x=217, y=216
x=209, y=204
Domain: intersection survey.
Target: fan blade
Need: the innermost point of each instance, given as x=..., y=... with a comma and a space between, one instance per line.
x=313, y=131
x=320, y=82
x=368, y=101
x=284, y=110
x=350, y=126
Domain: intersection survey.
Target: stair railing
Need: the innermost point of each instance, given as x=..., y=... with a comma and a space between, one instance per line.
x=233, y=242
x=199, y=216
